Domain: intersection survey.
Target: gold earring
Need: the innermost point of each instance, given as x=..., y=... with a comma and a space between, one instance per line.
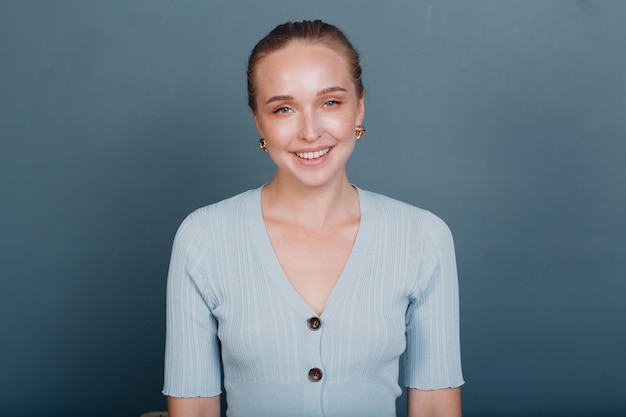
x=360, y=131
x=263, y=145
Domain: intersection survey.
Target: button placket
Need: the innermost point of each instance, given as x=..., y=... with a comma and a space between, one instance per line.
x=312, y=351
x=313, y=371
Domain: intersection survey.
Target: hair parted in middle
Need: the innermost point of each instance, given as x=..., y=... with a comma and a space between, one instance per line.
x=314, y=32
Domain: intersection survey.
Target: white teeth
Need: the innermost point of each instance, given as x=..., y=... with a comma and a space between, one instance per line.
x=313, y=155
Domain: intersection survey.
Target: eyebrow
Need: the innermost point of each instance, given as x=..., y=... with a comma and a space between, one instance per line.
x=319, y=93
x=278, y=98
x=331, y=90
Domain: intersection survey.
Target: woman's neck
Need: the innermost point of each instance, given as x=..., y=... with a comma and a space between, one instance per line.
x=314, y=207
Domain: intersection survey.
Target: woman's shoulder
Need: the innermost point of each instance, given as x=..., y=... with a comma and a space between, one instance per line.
x=387, y=208
x=232, y=207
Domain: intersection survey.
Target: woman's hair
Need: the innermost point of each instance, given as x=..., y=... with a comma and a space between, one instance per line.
x=315, y=32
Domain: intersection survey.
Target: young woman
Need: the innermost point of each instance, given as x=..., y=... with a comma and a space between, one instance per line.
x=307, y=290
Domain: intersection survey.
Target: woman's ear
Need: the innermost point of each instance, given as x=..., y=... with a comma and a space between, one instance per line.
x=360, y=111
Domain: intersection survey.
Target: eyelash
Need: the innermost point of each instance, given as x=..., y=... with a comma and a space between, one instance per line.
x=281, y=110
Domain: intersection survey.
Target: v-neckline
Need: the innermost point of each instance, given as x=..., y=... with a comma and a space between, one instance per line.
x=279, y=280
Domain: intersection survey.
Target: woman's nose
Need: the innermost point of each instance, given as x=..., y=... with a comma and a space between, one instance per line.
x=310, y=127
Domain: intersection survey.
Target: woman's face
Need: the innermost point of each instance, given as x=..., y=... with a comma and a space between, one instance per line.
x=307, y=111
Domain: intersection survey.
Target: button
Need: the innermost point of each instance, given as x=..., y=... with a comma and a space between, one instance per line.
x=315, y=374
x=314, y=323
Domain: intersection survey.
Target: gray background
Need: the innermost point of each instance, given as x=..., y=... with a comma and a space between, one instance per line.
x=506, y=118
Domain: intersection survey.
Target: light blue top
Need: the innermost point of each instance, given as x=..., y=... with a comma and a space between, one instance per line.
x=398, y=289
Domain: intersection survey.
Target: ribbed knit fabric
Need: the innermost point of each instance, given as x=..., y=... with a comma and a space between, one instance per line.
x=398, y=289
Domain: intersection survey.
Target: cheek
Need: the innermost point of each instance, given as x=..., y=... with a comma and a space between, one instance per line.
x=342, y=126
x=283, y=128
x=279, y=131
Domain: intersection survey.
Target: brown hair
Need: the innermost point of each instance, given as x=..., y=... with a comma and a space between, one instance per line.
x=309, y=31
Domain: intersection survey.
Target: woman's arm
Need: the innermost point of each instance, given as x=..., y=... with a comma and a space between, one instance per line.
x=436, y=403
x=194, y=407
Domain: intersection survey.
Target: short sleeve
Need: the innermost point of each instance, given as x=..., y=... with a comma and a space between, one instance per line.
x=192, y=357
x=433, y=357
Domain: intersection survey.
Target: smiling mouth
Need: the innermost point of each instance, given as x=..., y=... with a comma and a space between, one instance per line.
x=312, y=155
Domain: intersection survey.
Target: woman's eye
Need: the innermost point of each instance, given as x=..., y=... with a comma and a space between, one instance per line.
x=282, y=110
x=332, y=103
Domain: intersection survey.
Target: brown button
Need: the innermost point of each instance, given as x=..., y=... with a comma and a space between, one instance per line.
x=314, y=323
x=315, y=374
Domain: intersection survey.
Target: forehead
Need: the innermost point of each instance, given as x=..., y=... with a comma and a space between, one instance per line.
x=302, y=63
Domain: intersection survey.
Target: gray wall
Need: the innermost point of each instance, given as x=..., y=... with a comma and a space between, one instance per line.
x=506, y=118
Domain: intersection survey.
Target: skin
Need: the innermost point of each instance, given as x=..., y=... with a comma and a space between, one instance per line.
x=194, y=407
x=307, y=103
x=436, y=403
